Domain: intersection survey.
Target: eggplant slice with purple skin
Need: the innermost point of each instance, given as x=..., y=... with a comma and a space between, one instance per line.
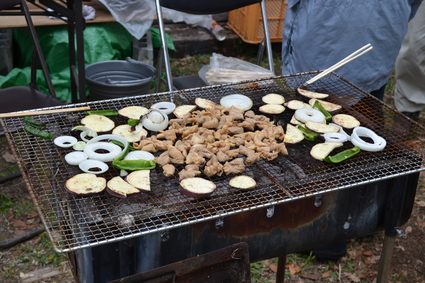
x=197, y=187
x=118, y=187
x=140, y=179
x=85, y=184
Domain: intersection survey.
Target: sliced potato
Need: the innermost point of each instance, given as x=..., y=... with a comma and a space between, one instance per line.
x=120, y=188
x=312, y=94
x=293, y=135
x=140, y=179
x=98, y=123
x=133, y=112
x=85, y=184
x=125, y=132
x=329, y=106
x=243, y=182
x=182, y=110
x=297, y=104
x=272, y=108
x=345, y=121
x=205, y=103
x=197, y=187
x=273, y=98
x=321, y=150
x=321, y=128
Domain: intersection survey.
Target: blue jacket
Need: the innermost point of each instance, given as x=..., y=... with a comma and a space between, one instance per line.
x=319, y=33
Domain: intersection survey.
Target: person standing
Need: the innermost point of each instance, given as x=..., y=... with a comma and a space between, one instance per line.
x=409, y=94
x=319, y=33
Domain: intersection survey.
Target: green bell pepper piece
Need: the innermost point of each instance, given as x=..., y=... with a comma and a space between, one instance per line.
x=318, y=106
x=343, y=155
x=308, y=135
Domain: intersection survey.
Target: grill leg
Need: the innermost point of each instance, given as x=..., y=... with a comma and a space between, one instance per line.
x=281, y=265
x=385, y=260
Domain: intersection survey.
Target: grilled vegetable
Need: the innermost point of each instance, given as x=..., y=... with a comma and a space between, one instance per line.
x=133, y=112
x=140, y=180
x=343, y=155
x=243, y=182
x=37, y=132
x=317, y=105
x=293, y=135
x=273, y=98
x=297, y=104
x=272, y=108
x=133, y=122
x=98, y=123
x=204, y=103
x=308, y=135
x=329, y=106
x=197, y=187
x=321, y=128
x=133, y=165
x=120, y=188
x=312, y=94
x=321, y=150
x=346, y=121
x=105, y=112
x=85, y=184
x=33, y=122
x=182, y=110
x=130, y=136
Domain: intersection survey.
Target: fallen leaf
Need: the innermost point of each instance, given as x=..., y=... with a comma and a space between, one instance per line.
x=36, y=240
x=367, y=253
x=310, y=276
x=367, y=260
x=327, y=274
x=18, y=223
x=293, y=269
x=352, y=277
x=273, y=267
x=408, y=230
x=421, y=203
x=19, y=232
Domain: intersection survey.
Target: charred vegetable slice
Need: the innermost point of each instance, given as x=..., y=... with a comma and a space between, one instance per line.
x=312, y=94
x=126, y=132
x=346, y=121
x=273, y=98
x=317, y=105
x=182, y=110
x=329, y=106
x=272, y=108
x=321, y=128
x=133, y=112
x=85, y=184
x=343, y=155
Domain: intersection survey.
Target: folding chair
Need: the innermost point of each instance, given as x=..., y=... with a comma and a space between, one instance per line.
x=204, y=8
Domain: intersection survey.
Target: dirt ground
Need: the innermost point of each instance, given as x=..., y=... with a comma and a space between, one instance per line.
x=35, y=257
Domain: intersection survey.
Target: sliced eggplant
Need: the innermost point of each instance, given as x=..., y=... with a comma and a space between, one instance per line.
x=321, y=150
x=273, y=98
x=205, y=103
x=312, y=94
x=98, y=123
x=293, y=135
x=183, y=110
x=197, y=187
x=294, y=121
x=120, y=188
x=321, y=128
x=133, y=112
x=85, y=184
x=140, y=179
x=126, y=132
x=272, y=108
x=329, y=106
x=345, y=121
x=297, y=104
x=243, y=182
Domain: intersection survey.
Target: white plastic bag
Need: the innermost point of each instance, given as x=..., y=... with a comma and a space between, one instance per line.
x=135, y=15
x=222, y=70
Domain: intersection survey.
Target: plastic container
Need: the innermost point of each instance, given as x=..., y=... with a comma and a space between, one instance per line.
x=118, y=78
x=218, y=31
x=248, y=24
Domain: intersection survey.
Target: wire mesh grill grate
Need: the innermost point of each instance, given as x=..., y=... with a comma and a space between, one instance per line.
x=75, y=222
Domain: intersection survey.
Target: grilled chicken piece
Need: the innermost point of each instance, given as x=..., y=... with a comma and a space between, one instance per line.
x=168, y=170
x=236, y=166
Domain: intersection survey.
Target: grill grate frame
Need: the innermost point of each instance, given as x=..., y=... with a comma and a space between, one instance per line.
x=75, y=222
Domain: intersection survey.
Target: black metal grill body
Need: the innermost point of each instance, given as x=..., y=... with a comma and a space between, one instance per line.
x=299, y=202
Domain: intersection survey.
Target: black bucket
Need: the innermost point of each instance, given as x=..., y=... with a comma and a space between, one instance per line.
x=118, y=78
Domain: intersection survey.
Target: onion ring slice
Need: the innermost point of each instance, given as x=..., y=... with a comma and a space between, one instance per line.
x=88, y=165
x=165, y=106
x=309, y=114
x=65, y=141
x=113, y=151
x=75, y=157
x=139, y=155
x=378, y=144
x=335, y=137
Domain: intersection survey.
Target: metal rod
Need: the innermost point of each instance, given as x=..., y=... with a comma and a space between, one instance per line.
x=281, y=266
x=385, y=260
x=267, y=35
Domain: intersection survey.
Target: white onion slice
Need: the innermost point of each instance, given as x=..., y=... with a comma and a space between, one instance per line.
x=79, y=145
x=378, y=144
x=75, y=157
x=139, y=155
x=309, y=114
x=155, y=120
x=113, y=151
x=84, y=134
x=335, y=137
x=341, y=130
x=65, y=141
x=166, y=107
x=90, y=166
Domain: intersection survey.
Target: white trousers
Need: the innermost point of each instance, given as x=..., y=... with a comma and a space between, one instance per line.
x=409, y=93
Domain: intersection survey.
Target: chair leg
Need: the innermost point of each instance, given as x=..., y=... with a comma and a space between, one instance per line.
x=385, y=260
x=281, y=266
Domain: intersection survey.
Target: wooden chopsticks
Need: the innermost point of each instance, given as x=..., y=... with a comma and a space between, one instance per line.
x=43, y=112
x=341, y=63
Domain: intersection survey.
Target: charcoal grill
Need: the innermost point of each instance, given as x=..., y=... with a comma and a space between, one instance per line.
x=285, y=185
